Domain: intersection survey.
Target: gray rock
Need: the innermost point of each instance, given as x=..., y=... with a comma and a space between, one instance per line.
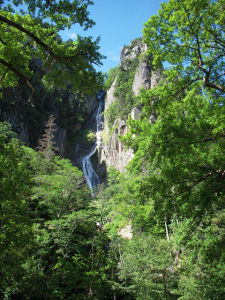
x=142, y=78
x=156, y=76
x=112, y=151
x=136, y=112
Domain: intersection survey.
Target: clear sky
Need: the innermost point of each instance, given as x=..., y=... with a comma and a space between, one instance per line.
x=118, y=22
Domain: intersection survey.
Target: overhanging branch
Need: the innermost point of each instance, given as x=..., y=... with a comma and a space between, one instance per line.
x=18, y=73
x=4, y=74
x=39, y=41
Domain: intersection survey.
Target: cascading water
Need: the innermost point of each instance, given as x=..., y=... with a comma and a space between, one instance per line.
x=87, y=168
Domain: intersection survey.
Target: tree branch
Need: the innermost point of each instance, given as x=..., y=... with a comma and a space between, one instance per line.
x=206, y=81
x=221, y=172
x=4, y=74
x=39, y=41
x=213, y=139
x=213, y=85
x=217, y=39
x=20, y=75
x=4, y=43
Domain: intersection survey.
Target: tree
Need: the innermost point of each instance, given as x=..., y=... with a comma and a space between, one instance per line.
x=190, y=36
x=33, y=33
x=50, y=243
x=69, y=259
x=46, y=143
x=183, y=150
x=201, y=259
x=16, y=235
x=147, y=268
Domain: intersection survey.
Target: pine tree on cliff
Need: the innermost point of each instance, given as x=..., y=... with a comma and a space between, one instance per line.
x=46, y=143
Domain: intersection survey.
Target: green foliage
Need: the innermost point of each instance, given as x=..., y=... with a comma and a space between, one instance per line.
x=189, y=35
x=124, y=200
x=110, y=77
x=15, y=223
x=112, y=113
x=50, y=243
x=180, y=155
x=135, y=42
x=147, y=268
x=201, y=262
x=123, y=93
x=173, y=192
x=34, y=32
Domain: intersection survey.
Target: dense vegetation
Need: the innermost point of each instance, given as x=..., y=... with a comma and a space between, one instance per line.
x=51, y=247
x=57, y=242
x=173, y=192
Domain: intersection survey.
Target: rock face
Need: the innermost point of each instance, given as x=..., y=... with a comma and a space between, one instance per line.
x=131, y=52
x=91, y=104
x=21, y=115
x=18, y=124
x=126, y=232
x=112, y=151
x=142, y=78
x=110, y=98
x=156, y=76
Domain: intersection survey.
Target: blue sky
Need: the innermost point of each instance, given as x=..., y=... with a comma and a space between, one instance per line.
x=118, y=22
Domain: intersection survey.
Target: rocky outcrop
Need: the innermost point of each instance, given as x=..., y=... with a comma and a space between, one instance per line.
x=142, y=78
x=126, y=232
x=136, y=112
x=156, y=76
x=110, y=98
x=131, y=52
x=112, y=150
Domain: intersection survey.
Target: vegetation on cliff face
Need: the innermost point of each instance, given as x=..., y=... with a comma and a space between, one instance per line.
x=123, y=93
x=57, y=242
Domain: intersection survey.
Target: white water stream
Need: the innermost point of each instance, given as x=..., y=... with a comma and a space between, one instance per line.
x=87, y=168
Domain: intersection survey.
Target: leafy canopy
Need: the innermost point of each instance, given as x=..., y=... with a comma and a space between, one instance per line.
x=33, y=33
x=190, y=35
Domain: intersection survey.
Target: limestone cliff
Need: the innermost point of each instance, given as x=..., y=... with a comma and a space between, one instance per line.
x=133, y=58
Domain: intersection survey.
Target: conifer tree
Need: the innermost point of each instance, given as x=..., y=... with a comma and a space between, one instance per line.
x=46, y=143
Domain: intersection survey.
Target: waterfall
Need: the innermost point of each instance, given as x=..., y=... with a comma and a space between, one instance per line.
x=91, y=176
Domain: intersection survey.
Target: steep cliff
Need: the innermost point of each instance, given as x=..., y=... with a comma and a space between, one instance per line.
x=29, y=116
x=134, y=72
